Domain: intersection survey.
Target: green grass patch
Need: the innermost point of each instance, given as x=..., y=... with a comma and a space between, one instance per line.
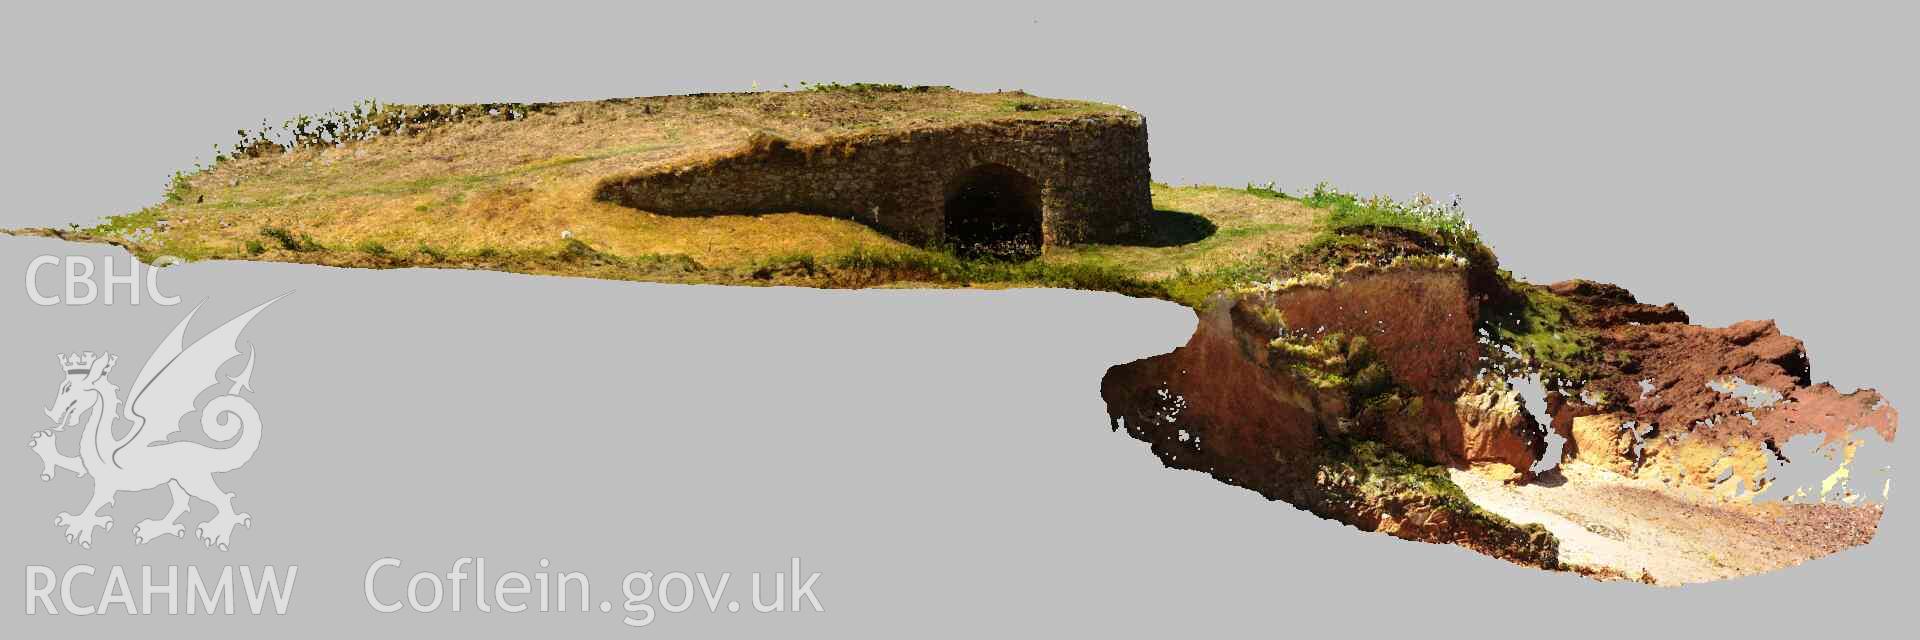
x=289, y=240
x=864, y=266
x=1333, y=361
x=1347, y=211
x=179, y=187
x=1540, y=333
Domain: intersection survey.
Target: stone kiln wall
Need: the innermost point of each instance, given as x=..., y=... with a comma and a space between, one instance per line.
x=1092, y=173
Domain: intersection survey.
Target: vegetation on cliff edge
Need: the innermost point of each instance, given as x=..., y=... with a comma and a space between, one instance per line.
x=508, y=187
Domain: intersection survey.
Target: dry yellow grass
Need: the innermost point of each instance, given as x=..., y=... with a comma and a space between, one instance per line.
x=518, y=195
x=518, y=185
x=1244, y=226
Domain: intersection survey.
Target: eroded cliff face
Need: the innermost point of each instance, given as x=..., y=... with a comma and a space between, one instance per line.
x=1708, y=408
x=1352, y=392
x=1343, y=396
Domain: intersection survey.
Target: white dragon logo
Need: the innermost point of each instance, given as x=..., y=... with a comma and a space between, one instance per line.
x=145, y=457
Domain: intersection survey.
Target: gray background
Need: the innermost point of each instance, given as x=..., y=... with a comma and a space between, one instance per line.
x=944, y=458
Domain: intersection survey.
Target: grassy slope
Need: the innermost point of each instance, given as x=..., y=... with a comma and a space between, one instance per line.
x=514, y=185
x=517, y=195
x=511, y=188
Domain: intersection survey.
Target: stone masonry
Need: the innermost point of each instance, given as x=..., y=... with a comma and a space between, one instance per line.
x=1090, y=176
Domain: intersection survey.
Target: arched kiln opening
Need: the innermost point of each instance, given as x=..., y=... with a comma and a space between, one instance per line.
x=993, y=211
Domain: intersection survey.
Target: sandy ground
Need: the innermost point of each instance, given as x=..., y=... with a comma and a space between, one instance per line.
x=1609, y=522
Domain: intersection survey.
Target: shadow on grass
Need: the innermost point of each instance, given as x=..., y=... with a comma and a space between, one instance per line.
x=1172, y=229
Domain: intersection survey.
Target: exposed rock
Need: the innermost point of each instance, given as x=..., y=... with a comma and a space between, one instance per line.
x=1344, y=392
x=1496, y=428
x=1710, y=400
x=1499, y=472
x=1603, y=440
x=1615, y=304
x=1342, y=397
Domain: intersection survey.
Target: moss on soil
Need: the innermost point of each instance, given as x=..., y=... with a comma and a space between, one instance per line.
x=1371, y=473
